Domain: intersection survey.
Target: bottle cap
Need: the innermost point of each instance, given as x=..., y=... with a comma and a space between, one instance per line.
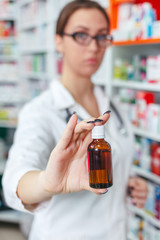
x=98, y=132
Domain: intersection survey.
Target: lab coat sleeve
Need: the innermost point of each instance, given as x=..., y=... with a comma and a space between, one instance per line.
x=30, y=151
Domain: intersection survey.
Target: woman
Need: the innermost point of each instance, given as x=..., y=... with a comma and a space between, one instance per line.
x=47, y=173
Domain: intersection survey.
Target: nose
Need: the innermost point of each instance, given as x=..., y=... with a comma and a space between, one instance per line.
x=93, y=45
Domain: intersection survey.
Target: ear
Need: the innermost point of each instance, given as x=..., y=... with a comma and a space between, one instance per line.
x=59, y=43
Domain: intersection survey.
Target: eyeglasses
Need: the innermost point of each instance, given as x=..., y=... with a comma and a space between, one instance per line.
x=102, y=40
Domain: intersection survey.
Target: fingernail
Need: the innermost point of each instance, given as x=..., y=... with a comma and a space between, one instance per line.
x=90, y=122
x=98, y=120
x=74, y=113
x=105, y=192
x=129, y=191
x=109, y=111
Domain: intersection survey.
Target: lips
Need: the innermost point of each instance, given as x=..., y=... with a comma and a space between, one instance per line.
x=92, y=60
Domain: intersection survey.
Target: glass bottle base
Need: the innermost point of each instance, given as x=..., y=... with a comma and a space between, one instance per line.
x=100, y=185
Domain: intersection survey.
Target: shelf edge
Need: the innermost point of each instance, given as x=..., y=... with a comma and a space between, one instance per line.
x=144, y=133
x=144, y=215
x=144, y=173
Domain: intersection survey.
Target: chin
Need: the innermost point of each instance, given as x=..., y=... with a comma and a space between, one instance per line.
x=91, y=71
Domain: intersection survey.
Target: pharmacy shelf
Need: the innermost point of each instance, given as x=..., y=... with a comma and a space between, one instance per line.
x=143, y=214
x=38, y=75
x=8, y=124
x=146, y=134
x=9, y=81
x=47, y=23
x=122, y=1
x=25, y=2
x=8, y=40
x=137, y=42
x=136, y=85
x=11, y=216
x=34, y=50
x=33, y=25
x=130, y=237
x=144, y=173
x=8, y=58
x=8, y=18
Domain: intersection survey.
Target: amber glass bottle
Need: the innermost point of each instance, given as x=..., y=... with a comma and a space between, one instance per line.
x=99, y=160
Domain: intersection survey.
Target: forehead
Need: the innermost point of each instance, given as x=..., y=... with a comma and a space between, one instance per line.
x=89, y=18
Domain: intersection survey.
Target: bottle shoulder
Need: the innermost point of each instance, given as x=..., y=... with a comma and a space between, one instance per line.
x=99, y=144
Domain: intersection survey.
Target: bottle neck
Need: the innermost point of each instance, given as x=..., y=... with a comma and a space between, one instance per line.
x=98, y=139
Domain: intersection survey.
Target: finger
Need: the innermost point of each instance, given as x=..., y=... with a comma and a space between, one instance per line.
x=140, y=188
x=88, y=124
x=84, y=126
x=138, y=183
x=87, y=138
x=139, y=202
x=104, y=119
x=99, y=191
x=139, y=194
x=140, y=205
x=68, y=133
x=85, y=186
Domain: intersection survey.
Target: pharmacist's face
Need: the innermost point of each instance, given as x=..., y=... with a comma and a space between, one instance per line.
x=84, y=59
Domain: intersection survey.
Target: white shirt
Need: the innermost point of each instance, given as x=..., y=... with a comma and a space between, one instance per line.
x=74, y=216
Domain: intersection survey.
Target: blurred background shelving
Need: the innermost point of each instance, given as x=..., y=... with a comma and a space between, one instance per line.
x=134, y=82
x=11, y=98
x=29, y=62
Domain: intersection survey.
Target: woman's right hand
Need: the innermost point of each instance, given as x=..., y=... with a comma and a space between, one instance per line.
x=67, y=169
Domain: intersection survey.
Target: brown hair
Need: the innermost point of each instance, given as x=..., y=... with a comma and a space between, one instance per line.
x=73, y=6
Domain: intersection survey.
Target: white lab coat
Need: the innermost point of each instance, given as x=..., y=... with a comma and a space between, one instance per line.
x=74, y=216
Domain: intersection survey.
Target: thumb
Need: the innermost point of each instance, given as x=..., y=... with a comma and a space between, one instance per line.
x=85, y=186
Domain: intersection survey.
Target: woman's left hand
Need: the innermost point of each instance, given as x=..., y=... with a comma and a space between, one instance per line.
x=138, y=190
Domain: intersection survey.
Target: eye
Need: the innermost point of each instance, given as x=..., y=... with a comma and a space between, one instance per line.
x=81, y=35
x=101, y=37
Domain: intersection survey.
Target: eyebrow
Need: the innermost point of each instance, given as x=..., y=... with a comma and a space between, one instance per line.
x=85, y=28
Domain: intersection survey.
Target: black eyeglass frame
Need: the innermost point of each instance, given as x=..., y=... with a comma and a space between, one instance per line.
x=74, y=34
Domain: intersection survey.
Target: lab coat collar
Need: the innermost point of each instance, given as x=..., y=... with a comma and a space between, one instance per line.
x=61, y=96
